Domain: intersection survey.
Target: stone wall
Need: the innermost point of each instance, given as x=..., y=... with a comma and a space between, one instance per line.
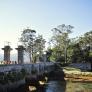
x=39, y=67
x=11, y=75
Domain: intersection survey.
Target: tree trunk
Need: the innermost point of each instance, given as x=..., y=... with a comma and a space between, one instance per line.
x=65, y=53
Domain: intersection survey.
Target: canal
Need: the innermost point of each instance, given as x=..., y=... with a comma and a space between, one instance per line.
x=59, y=86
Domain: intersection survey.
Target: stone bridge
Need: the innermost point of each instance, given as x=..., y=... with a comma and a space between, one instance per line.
x=12, y=76
x=39, y=67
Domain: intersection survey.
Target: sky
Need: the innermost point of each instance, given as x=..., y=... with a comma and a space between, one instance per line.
x=42, y=16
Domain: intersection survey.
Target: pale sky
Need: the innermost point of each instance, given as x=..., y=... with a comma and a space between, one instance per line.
x=42, y=15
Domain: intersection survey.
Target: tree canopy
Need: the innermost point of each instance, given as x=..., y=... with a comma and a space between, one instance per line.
x=34, y=44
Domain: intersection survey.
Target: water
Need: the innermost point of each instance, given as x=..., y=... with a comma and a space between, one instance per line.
x=55, y=86
x=59, y=86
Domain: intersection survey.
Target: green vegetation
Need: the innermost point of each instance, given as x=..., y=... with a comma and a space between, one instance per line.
x=68, y=50
x=60, y=41
x=34, y=44
x=34, y=71
x=86, y=85
x=61, y=47
x=12, y=76
x=71, y=69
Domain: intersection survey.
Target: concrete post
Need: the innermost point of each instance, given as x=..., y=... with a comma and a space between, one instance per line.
x=20, y=50
x=7, y=50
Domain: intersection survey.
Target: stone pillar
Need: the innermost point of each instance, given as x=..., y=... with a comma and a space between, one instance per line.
x=20, y=50
x=7, y=50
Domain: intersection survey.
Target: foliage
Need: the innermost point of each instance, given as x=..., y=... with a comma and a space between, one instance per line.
x=33, y=44
x=48, y=54
x=77, y=49
x=64, y=49
x=60, y=40
x=77, y=55
x=27, y=38
x=12, y=76
x=39, y=46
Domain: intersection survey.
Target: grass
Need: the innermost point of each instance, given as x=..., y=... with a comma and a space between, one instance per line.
x=87, y=85
x=71, y=69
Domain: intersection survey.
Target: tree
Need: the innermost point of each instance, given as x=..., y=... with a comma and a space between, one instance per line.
x=82, y=47
x=85, y=43
x=77, y=55
x=28, y=38
x=60, y=38
x=39, y=46
x=33, y=44
x=86, y=40
x=48, y=55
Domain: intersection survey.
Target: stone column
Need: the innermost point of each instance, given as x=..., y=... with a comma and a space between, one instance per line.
x=20, y=50
x=7, y=50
